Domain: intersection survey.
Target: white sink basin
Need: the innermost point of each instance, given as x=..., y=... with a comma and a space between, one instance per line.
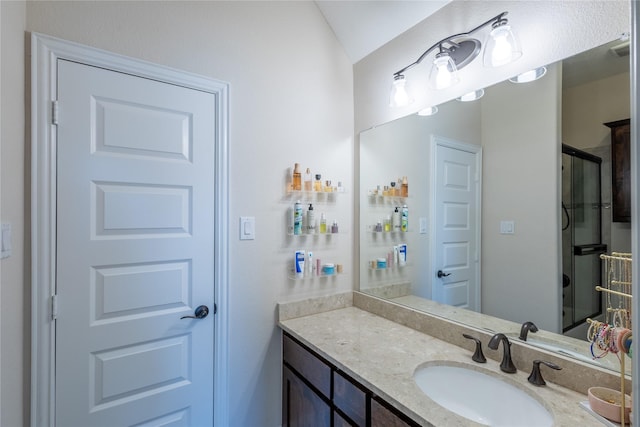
x=483, y=398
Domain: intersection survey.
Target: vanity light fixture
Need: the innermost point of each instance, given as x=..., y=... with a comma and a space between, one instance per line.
x=471, y=96
x=529, y=76
x=429, y=111
x=399, y=95
x=457, y=51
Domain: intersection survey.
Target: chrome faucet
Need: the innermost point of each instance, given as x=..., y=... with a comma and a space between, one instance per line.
x=526, y=328
x=507, y=364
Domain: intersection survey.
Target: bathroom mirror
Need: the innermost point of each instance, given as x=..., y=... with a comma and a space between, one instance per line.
x=521, y=129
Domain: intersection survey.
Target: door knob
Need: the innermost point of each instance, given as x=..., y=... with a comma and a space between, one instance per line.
x=442, y=274
x=200, y=312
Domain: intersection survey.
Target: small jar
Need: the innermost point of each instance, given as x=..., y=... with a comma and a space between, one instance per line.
x=381, y=263
x=328, y=269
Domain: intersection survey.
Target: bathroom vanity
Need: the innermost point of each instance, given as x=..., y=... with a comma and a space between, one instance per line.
x=357, y=368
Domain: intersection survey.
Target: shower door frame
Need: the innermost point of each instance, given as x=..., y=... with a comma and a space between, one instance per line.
x=597, y=248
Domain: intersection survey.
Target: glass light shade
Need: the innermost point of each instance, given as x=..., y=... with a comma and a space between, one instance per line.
x=444, y=72
x=429, y=111
x=399, y=96
x=472, y=96
x=529, y=76
x=501, y=46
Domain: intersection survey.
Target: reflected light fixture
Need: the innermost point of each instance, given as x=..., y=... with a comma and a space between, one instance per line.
x=529, y=76
x=429, y=111
x=399, y=96
x=457, y=51
x=471, y=96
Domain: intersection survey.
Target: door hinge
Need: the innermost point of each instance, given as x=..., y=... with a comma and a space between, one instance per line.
x=54, y=112
x=54, y=307
x=215, y=308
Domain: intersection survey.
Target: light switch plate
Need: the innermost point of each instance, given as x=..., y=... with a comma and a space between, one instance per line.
x=247, y=228
x=5, y=240
x=423, y=225
x=507, y=227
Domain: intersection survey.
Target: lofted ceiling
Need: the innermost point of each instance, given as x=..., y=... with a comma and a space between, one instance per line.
x=362, y=26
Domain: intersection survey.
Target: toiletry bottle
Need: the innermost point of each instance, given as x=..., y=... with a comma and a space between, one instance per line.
x=317, y=185
x=311, y=220
x=405, y=218
x=290, y=220
x=297, y=178
x=395, y=220
x=297, y=218
x=340, y=187
x=307, y=180
x=392, y=189
x=327, y=186
x=398, y=185
x=387, y=224
x=299, y=263
x=405, y=187
x=402, y=255
x=334, y=227
x=309, y=264
x=323, y=224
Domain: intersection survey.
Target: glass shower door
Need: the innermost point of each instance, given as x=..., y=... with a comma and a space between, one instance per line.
x=581, y=236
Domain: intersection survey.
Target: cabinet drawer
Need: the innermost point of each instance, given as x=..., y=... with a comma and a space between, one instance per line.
x=381, y=416
x=350, y=399
x=307, y=365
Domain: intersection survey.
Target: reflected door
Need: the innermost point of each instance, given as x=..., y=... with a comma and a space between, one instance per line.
x=456, y=181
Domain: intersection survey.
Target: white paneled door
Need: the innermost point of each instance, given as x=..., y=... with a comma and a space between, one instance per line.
x=135, y=250
x=456, y=184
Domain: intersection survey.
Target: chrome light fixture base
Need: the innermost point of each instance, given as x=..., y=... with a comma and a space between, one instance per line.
x=464, y=51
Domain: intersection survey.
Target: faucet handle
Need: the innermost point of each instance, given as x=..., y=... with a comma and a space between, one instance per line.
x=535, y=377
x=478, y=356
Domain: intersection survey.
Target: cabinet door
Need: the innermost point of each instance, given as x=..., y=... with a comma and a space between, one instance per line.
x=621, y=170
x=381, y=416
x=350, y=399
x=301, y=406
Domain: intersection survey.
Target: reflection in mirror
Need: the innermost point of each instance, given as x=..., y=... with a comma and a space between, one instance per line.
x=519, y=263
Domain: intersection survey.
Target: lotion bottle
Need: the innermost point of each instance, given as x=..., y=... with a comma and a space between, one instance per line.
x=311, y=220
x=395, y=220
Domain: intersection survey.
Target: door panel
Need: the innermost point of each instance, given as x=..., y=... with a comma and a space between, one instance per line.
x=456, y=209
x=135, y=217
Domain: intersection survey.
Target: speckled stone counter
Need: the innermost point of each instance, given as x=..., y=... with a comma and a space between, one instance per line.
x=383, y=355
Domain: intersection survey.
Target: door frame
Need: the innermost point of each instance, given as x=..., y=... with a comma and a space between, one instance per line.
x=477, y=151
x=45, y=51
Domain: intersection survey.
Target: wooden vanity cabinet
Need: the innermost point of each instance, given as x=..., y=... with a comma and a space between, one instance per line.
x=315, y=393
x=621, y=170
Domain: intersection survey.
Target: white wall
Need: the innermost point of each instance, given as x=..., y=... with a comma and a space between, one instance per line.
x=291, y=100
x=14, y=273
x=521, y=172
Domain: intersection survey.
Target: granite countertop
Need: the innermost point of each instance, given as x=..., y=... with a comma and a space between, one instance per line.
x=382, y=355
